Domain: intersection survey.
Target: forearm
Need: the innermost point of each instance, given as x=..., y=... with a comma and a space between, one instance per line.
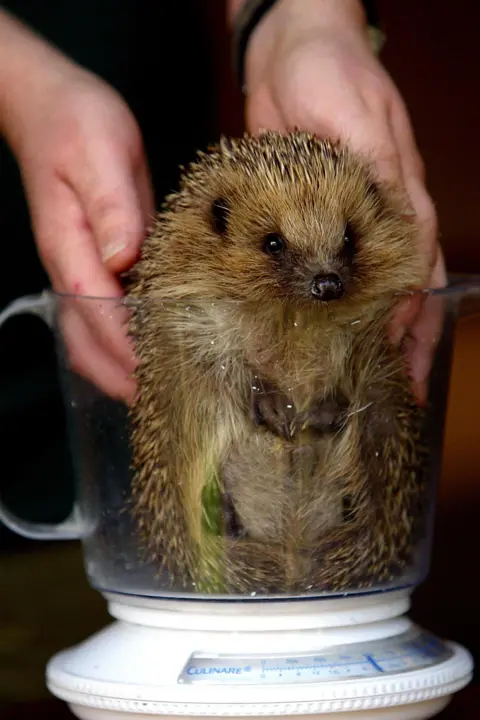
x=25, y=58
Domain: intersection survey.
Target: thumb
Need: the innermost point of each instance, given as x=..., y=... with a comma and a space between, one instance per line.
x=114, y=208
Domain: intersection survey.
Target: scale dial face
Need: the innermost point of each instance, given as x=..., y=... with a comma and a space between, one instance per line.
x=412, y=650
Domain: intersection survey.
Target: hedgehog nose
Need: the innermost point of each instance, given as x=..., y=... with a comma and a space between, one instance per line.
x=327, y=287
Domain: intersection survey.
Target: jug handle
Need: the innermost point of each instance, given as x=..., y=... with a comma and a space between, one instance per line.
x=72, y=528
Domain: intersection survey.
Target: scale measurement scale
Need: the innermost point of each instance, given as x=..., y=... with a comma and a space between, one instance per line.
x=404, y=653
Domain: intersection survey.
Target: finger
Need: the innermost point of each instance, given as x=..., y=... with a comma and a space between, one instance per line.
x=106, y=187
x=145, y=193
x=413, y=173
x=425, y=334
x=405, y=314
x=67, y=248
x=418, y=323
x=425, y=326
x=87, y=358
x=400, y=123
x=427, y=221
x=120, y=263
x=439, y=274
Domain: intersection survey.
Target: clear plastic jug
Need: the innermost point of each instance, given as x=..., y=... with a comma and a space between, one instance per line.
x=268, y=495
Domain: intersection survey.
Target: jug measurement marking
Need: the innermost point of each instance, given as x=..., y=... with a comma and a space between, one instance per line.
x=372, y=659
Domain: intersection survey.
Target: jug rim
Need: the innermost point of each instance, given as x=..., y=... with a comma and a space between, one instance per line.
x=458, y=285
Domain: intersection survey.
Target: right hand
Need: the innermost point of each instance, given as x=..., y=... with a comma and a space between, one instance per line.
x=88, y=188
x=310, y=65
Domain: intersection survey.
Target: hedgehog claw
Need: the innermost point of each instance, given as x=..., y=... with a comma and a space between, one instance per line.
x=329, y=415
x=273, y=409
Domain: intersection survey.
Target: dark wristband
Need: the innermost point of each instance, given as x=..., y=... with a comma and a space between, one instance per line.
x=253, y=11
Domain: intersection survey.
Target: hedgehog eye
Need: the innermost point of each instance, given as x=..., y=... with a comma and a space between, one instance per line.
x=349, y=235
x=274, y=244
x=220, y=211
x=349, y=241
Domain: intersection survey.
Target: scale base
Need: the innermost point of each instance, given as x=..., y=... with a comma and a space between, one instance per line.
x=356, y=658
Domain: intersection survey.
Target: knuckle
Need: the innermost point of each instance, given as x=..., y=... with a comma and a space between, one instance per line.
x=107, y=206
x=387, y=154
x=385, y=159
x=114, y=222
x=375, y=89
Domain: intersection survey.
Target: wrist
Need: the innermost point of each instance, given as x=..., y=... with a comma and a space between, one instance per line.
x=352, y=19
x=342, y=13
x=260, y=24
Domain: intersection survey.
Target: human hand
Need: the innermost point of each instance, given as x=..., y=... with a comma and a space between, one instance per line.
x=87, y=184
x=310, y=65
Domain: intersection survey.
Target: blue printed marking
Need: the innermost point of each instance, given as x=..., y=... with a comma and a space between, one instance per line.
x=372, y=662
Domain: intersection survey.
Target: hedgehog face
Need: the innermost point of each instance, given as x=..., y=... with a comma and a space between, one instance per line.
x=293, y=219
x=289, y=258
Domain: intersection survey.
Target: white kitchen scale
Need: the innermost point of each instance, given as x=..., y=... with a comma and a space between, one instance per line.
x=351, y=657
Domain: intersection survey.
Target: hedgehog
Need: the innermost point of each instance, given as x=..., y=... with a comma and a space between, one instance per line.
x=277, y=446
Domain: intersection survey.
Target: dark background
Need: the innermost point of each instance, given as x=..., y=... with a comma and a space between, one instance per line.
x=171, y=61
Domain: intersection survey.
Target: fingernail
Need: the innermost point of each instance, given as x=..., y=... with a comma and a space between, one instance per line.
x=112, y=248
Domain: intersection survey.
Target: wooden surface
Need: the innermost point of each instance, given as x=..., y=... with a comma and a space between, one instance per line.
x=45, y=606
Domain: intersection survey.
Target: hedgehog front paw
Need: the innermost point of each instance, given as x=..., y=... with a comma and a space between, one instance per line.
x=272, y=409
x=328, y=415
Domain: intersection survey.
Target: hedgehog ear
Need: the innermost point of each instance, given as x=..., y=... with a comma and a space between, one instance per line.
x=220, y=211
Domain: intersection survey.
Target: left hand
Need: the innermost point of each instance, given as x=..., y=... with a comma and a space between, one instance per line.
x=310, y=65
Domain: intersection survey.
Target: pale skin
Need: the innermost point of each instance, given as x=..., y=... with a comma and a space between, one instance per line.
x=308, y=65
